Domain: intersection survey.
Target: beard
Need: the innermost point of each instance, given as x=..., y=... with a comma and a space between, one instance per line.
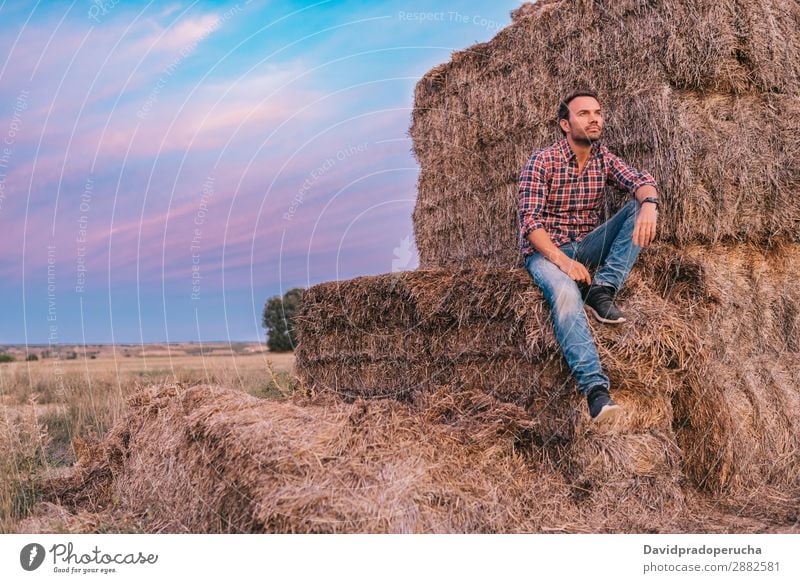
x=585, y=139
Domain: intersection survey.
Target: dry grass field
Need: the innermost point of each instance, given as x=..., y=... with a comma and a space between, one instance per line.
x=47, y=403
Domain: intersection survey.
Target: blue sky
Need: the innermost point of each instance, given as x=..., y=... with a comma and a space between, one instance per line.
x=165, y=167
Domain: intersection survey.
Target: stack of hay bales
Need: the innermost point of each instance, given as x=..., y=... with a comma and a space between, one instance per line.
x=705, y=97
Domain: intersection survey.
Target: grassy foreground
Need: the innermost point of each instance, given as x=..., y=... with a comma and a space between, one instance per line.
x=45, y=404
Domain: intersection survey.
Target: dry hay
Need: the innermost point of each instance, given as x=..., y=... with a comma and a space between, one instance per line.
x=450, y=317
x=737, y=416
x=489, y=330
x=703, y=95
x=704, y=366
x=209, y=459
x=482, y=327
x=48, y=517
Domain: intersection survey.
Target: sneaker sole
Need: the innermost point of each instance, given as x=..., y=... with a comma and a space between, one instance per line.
x=609, y=413
x=603, y=320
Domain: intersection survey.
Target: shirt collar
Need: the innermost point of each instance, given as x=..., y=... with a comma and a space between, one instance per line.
x=566, y=149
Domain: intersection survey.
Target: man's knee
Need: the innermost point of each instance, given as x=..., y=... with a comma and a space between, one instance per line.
x=630, y=211
x=559, y=290
x=567, y=301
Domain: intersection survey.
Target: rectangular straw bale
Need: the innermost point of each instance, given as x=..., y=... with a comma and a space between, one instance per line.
x=756, y=299
x=748, y=451
x=491, y=330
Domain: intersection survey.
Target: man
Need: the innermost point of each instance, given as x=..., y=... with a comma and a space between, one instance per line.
x=561, y=192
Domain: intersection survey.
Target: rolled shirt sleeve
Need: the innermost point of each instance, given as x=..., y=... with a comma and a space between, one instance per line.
x=626, y=177
x=532, y=195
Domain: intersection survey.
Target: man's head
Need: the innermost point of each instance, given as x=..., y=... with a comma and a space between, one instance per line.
x=580, y=117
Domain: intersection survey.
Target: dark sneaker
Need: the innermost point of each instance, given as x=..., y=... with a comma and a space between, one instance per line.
x=602, y=407
x=600, y=301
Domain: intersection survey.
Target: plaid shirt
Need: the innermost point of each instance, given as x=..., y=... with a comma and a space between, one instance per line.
x=553, y=195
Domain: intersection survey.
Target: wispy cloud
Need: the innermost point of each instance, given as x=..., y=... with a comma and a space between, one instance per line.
x=298, y=112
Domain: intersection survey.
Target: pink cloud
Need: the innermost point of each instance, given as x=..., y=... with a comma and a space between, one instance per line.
x=182, y=36
x=240, y=113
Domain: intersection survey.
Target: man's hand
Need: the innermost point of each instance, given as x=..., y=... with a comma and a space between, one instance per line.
x=645, y=229
x=575, y=269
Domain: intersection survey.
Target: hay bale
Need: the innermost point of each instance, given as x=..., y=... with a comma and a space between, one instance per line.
x=678, y=365
x=709, y=110
x=695, y=117
x=482, y=327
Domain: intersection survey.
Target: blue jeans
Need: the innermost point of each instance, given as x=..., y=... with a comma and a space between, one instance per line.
x=610, y=249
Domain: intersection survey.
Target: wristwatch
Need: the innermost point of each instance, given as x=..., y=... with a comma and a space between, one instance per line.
x=652, y=199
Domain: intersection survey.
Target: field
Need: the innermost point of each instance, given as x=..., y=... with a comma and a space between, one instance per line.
x=45, y=404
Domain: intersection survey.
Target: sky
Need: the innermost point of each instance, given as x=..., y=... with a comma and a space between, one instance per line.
x=165, y=167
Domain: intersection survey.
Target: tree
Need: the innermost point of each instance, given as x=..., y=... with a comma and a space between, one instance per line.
x=278, y=319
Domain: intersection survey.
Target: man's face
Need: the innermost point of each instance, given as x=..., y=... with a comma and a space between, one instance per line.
x=585, y=120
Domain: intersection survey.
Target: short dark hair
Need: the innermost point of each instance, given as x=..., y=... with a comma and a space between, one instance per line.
x=563, y=107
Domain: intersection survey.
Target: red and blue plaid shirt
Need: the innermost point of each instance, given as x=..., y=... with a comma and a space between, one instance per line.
x=553, y=195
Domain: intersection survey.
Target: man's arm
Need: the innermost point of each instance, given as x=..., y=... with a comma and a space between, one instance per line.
x=645, y=191
x=532, y=197
x=532, y=194
x=542, y=242
x=642, y=185
x=626, y=177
